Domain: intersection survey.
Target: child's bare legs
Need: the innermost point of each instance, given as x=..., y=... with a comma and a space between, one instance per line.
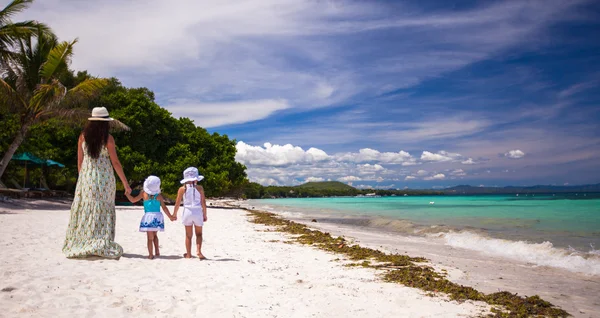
x=156, y=251
x=199, y=242
x=188, y=241
x=151, y=236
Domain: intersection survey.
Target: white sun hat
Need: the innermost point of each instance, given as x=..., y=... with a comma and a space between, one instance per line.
x=152, y=185
x=191, y=174
x=100, y=114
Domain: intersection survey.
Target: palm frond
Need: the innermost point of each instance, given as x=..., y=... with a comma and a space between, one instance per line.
x=9, y=98
x=13, y=8
x=77, y=116
x=117, y=125
x=81, y=94
x=59, y=56
x=47, y=97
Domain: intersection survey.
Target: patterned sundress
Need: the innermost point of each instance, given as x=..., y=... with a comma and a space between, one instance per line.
x=153, y=220
x=91, y=230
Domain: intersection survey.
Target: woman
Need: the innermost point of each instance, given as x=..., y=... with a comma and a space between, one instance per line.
x=91, y=230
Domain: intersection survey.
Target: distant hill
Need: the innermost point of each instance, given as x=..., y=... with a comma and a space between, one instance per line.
x=467, y=189
x=326, y=185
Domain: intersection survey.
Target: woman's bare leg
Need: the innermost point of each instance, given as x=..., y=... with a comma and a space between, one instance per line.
x=188, y=241
x=199, y=242
x=150, y=236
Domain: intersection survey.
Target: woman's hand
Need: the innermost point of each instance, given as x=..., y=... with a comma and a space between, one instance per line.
x=127, y=189
x=205, y=218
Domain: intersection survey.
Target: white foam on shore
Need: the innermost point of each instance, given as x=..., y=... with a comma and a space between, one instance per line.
x=542, y=254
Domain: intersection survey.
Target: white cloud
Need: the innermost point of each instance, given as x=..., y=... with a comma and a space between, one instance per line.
x=408, y=178
x=226, y=113
x=458, y=172
x=349, y=179
x=439, y=176
x=422, y=173
x=367, y=169
x=441, y=156
x=369, y=155
x=469, y=161
x=276, y=155
x=515, y=154
x=314, y=179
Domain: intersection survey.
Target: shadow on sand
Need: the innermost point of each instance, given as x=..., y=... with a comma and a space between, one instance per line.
x=146, y=256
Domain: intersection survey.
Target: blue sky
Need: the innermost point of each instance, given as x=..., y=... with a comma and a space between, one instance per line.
x=383, y=94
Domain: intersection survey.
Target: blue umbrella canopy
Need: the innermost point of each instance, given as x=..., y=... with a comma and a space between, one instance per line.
x=28, y=158
x=51, y=163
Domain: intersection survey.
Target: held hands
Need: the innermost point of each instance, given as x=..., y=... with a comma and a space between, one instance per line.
x=127, y=189
x=173, y=217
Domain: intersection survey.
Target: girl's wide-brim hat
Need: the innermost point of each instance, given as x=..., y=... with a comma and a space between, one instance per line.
x=152, y=185
x=191, y=174
x=100, y=114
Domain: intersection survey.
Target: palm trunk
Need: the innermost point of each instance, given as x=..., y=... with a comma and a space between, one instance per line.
x=13, y=147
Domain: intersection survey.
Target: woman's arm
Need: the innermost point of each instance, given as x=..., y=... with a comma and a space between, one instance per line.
x=178, y=201
x=134, y=199
x=203, y=198
x=79, y=152
x=112, y=151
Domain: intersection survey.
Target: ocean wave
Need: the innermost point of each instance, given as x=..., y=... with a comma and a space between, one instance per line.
x=541, y=254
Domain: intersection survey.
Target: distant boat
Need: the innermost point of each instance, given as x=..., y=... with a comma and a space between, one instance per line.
x=517, y=194
x=431, y=202
x=405, y=195
x=370, y=194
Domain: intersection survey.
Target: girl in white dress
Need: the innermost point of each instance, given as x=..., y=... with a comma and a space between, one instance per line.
x=194, y=210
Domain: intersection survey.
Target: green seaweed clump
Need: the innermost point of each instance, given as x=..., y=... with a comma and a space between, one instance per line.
x=405, y=270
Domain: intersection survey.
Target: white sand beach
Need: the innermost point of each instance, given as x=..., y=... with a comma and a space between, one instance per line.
x=250, y=273
x=576, y=293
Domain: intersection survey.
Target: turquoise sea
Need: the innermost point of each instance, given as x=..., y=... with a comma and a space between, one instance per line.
x=551, y=226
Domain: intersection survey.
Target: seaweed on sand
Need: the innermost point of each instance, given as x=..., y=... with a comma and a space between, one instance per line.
x=408, y=271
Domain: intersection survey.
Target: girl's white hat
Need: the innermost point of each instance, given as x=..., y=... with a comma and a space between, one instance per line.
x=191, y=174
x=152, y=185
x=100, y=114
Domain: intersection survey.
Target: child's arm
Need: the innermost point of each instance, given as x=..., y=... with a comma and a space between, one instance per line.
x=136, y=199
x=164, y=207
x=201, y=190
x=178, y=201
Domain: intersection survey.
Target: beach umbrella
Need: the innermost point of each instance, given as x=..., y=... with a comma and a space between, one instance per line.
x=51, y=163
x=28, y=159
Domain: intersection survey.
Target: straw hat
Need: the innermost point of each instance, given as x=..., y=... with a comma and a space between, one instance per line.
x=152, y=185
x=191, y=174
x=100, y=114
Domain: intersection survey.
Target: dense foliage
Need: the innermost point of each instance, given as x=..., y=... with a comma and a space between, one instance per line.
x=322, y=189
x=157, y=144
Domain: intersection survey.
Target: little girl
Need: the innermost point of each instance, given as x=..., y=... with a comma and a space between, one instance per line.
x=153, y=220
x=194, y=210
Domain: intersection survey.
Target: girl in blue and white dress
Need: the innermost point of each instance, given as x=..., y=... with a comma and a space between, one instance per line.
x=153, y=220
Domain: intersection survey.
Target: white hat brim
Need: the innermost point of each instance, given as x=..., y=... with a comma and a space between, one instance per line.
x=192, y=179
x=100, y=119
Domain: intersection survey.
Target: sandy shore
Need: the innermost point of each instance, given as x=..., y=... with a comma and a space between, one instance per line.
x=574, y=292
x=250, y=273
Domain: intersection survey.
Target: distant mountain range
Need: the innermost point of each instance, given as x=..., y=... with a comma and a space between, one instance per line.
x=467, y=189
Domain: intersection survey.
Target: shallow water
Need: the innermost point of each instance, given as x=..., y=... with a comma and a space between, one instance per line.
x=560, y=230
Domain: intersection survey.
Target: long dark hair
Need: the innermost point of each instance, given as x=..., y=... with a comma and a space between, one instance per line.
x=95, y=134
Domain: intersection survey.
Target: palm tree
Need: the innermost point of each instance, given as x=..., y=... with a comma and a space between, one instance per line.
x=31, y=88
x=11, y=33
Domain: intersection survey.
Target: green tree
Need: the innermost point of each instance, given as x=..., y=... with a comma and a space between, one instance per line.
x=12, y=32
x=32, y=89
